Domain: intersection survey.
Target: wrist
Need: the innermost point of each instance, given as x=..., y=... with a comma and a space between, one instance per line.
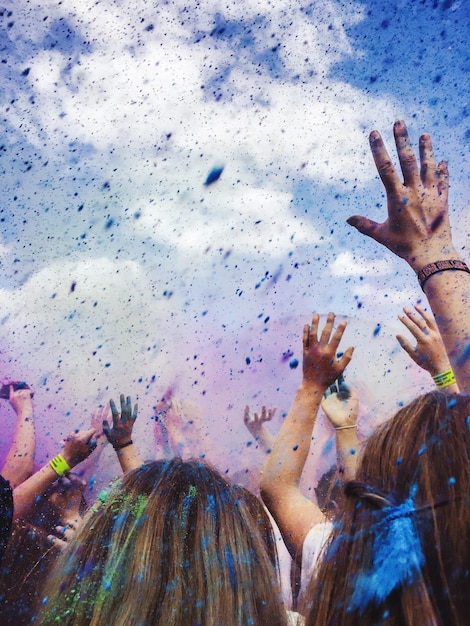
x=125, y=443
x=438, y=253
x=312, y=388
x=24, y=415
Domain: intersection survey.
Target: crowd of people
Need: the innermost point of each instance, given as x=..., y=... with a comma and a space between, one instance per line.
x=173, y=541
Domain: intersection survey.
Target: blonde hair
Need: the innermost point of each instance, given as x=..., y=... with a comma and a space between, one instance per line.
x=410, y=501
x=170, y=546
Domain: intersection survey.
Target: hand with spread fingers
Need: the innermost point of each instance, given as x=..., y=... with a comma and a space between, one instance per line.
x=429, y=353
x=255, y=422
x=119, y=434
x=123, y=423
x=295, y=514
x=320, y=365
x=417, y=227
x=256, y=425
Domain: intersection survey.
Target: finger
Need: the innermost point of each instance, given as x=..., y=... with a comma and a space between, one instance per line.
x=305, y=337
x=412, y=326
x=115, y=413
x=129, y=406
x=135, y=412
x=408, y=348
x=406, y=155
x=246, y=414
x=428, y=163
x=106, y=428
x=263, y=413
x=443, y=179
x=122, y=399
x=383, y=163
x=337, y=335
x=427, y=317
x=314, y=328
x=417, y=319
x=56, y=542
x=365, y=226
x=333, y=388
x=271, y=413
x=86, y=435
x=326, y=332
x=345, y=359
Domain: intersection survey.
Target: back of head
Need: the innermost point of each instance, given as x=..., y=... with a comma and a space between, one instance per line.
x=171, y=546
x=401, y=546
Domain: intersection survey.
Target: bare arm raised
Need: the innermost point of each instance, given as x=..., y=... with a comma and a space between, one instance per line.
x=417, y=229
x=295, y=514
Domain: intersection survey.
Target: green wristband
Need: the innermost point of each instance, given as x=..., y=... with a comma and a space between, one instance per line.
x=59, y=465
x=445, y=379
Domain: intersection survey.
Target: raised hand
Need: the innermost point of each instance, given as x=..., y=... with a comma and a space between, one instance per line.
x=429, y=352
x=21, y=400
x=417, y=227
x=320, y=365
x=123, y=423
x=78, y=446
x=340, y=405
x=255, y=422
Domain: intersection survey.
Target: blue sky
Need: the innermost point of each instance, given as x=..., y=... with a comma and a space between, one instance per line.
x=123, y=271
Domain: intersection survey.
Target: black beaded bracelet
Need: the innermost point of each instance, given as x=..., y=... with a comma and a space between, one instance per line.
x=120, y=446
x=440, y=266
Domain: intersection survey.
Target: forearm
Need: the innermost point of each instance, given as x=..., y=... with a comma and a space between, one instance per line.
x=24, y=496
x=129, y=458
x=265, y=440
x=290, y=449
x=20, y=458
x=347, y=449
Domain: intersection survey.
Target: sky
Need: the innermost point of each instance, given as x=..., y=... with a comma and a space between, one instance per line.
x=176, y=179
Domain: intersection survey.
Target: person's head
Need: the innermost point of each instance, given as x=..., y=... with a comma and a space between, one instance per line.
x=329, y=492
x=172, y=545
x=62, y=501
x=401, y=548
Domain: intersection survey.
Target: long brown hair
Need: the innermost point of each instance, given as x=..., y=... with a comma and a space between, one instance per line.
x=400, y=550
x=171, y=545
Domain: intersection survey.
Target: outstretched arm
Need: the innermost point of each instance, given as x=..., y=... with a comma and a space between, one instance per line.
x=280, y=484
x=429, y=352
x=417, y=229
x=20, y=458
x=120, y=434
x=341, y=407
x=77, y=446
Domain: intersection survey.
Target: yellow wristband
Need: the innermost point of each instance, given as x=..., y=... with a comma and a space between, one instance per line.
x=445, y=379
x=59, y=465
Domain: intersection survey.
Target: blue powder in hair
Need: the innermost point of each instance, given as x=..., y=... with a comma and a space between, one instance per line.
x=231, y=567
x=397, y=557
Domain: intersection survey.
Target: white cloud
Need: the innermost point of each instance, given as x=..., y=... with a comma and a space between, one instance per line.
x=347, y=265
